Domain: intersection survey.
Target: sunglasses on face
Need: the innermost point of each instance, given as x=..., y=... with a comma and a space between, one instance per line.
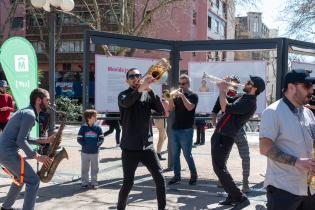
x=133, y=76
x=249, y=82
x=182, y=83
x=305, y=85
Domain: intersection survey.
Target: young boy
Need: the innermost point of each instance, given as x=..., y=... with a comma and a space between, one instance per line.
x=90, y=137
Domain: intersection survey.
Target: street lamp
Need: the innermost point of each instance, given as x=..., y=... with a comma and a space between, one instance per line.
x=51, y=6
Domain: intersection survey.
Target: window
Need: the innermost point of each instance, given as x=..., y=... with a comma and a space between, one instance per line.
x=255, y=29
x=71, y=46
x=38, y=47
x=17, y=23
x=217, y=4
x=17, y=1
x=215, y=26
x=110, y=17
x=209, y=22
x=66, y=66
x=33, y=21
x=194, y=17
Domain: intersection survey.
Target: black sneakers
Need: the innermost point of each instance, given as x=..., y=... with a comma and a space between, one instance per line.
x=9, y=209
x=227, y=202
x=193, y=179
x=174, y=180
x=160, y=156
x=244, y=202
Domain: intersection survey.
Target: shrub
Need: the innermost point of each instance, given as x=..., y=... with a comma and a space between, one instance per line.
x=71, y=107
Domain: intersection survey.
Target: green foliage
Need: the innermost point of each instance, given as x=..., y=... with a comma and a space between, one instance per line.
x=73, y=109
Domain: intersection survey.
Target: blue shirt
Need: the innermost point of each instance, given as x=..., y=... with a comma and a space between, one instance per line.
x=90, y=138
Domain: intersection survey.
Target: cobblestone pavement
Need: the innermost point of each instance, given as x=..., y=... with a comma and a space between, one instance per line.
x=64, y=192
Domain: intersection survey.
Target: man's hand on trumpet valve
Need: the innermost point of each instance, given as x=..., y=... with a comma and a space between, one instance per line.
x=223, y=86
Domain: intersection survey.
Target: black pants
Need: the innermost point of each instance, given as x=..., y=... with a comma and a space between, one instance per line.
x=114, y=125
x=2, y=125
x=278, y=199
x=130, y=160
x=220, y=150
x=200, y=134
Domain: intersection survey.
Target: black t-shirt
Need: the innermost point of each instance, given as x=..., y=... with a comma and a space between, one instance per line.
x=183, y=118
x=312, y=102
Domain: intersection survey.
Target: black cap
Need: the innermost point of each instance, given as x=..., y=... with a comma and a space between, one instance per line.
x=298, y=76
x=259, y=83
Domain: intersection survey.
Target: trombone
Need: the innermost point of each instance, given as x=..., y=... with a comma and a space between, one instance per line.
x=158, y=71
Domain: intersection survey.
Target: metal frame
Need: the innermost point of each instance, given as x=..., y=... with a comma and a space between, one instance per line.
x=282, y=46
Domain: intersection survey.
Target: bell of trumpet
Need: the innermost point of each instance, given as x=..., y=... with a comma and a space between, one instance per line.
x=213, y=79
x=159, y=71
x=168, y=95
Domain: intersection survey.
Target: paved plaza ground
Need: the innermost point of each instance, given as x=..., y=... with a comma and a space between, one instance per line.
x=64, y=192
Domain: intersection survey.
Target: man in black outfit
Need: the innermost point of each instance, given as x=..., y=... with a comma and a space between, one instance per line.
x=235, y=116
x=113, y=125
x=135, y=105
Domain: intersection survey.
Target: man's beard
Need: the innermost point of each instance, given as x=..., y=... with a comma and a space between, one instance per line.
x=246, y=90
x=43, y=107
x=2, y=91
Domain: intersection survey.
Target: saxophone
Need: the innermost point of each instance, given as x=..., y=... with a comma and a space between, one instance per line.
x=46, y=174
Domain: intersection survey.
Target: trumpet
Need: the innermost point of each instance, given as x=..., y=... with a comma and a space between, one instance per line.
x=171, y=94
x=213, y=79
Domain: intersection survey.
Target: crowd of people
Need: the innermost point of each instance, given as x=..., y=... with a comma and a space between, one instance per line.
x=288, y=146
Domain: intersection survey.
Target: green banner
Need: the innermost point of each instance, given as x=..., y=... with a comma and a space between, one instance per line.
x=19, y=62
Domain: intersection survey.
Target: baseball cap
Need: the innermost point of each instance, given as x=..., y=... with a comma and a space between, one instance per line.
x=3, y=83
x=259, y=83
x=298, y=76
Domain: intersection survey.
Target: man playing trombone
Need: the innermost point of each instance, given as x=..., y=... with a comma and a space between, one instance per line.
x=135, y=105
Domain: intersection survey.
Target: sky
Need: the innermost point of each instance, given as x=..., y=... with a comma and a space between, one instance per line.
x=271, y=12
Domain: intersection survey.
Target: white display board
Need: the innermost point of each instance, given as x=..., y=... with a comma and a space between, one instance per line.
x=221, y=69
x=302, y=65
x=110, y=79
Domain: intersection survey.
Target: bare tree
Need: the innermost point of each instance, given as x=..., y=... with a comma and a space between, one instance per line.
x=300, y=16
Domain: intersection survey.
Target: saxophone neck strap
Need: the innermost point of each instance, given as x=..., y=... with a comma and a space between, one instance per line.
x=19, y=182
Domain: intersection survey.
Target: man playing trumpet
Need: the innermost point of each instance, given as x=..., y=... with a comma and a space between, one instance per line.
x=135, y=105
x=235, y=116
x=183, y=102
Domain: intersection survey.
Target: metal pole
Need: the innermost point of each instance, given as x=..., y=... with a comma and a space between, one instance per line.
x=52, y=63
x=173, y=83
x=86, y=66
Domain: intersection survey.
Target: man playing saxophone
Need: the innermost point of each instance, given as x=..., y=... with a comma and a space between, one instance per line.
x=15, y=136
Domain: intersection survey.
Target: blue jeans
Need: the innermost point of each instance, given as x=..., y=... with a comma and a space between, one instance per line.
x=182, y=139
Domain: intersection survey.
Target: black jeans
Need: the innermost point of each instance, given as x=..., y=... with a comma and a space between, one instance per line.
x=278, y=199
x=114, y=125
x=220, y=150
x=200, y=134
x=130, y=160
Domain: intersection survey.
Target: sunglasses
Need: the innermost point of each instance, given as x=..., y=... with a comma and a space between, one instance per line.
x=249, y=82
x=133, y=76
x=305, y=85
x=182, y=83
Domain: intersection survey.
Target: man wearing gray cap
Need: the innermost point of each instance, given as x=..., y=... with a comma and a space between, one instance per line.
x=286, y=138
x=6, y=104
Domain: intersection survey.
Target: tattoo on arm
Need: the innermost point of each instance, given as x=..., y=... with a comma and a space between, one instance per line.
x=276, y=154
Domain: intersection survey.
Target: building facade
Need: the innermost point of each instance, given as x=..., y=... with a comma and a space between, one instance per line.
x=193, y=20
x=12, y=21
x=187, y=20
